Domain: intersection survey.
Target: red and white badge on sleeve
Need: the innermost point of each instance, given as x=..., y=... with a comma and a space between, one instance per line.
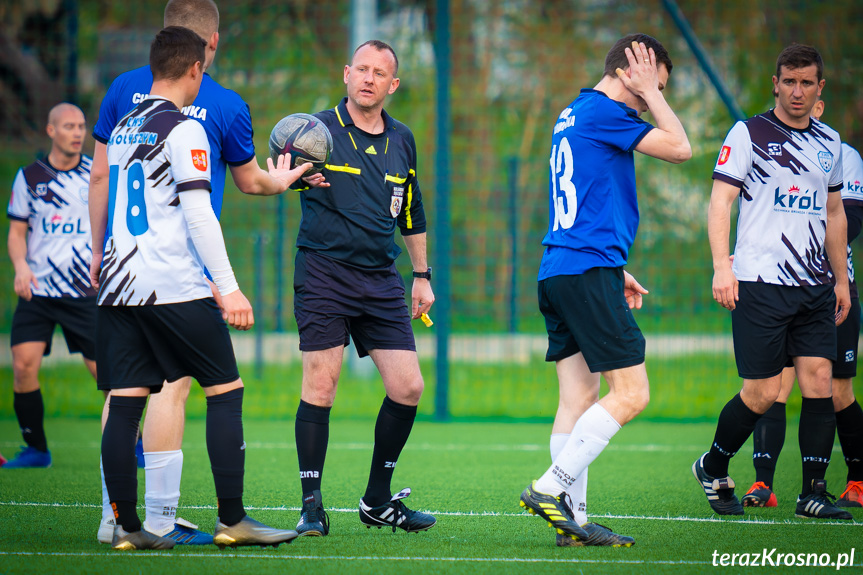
x=724, y=154
x=199, y=159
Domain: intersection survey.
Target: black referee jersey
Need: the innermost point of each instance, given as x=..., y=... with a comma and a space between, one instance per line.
x=373, y=188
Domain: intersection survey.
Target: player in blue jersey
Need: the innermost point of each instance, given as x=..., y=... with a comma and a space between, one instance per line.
x=584, y=294
x=784, y=170
x=227, y=122
x=49, y=245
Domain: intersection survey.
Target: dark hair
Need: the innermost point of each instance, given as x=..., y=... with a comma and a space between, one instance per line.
x=380, y=46
x=174, y=50
x=201, y=16
x=799, y=56
x=616, y=57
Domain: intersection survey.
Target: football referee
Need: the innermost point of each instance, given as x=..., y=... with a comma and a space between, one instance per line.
x=346, y=285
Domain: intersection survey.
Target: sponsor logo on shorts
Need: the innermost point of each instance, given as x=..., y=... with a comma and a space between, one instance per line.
x=724, y=154
x=849, y=355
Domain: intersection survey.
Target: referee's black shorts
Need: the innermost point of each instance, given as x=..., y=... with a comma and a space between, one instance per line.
x=335, y=302
x=36, y=319
x=143, y=346
x=772, y=324
x=588, y=313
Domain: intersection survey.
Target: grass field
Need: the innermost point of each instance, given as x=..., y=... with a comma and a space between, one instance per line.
x=468, y=474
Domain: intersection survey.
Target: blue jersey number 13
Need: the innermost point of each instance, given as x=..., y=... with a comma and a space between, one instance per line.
x=561, y=181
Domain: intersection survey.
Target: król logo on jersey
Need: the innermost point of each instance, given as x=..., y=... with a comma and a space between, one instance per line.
x=795, y=201
x=199, y=159
x=724, y=154
x=397, y=199
x=774, y=149
x=855, y=186
x=826, y=161
x=56, y=226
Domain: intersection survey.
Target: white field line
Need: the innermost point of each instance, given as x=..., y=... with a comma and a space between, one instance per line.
x=372, y=558
x=357, y=446
x=754, y=521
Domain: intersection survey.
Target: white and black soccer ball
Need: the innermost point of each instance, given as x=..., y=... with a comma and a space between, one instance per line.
x=303, y=138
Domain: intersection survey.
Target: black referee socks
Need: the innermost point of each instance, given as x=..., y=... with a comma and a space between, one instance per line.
x=312, y=433
x=392, y=430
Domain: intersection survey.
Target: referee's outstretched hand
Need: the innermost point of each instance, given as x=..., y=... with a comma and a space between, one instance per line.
x=237, y=311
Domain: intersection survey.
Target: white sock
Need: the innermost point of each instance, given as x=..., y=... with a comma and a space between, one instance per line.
x=589, y=437
x=107, y=512
x=162, y=474
x=578, y=491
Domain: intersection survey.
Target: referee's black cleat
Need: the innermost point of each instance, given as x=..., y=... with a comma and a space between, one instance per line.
x=719, y=490
x=314, y=521
x=141, y=539
x=819, y=504
x=250, y=532
x=394, y=514
x=554, y=510
x=598, y=536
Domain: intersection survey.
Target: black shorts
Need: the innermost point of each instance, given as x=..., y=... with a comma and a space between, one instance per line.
x=588, y=313
x=847, y=336
x=36, y=319
x=772, y=324
x=142, y=346
x=334, y=302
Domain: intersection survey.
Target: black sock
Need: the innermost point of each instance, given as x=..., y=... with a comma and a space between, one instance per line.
x=118, y=458
x=392, y=430
x=312, y=434
x=768, y=439
x=849, y=428
x=31, y=416
x=735, y=425
x=227, y=452
x=816, y=432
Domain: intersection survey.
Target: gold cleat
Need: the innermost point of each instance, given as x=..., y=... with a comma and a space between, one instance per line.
x=250, y=532
x=124, y=541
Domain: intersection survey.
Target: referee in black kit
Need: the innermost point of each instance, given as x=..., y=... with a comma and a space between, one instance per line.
x=346, y=285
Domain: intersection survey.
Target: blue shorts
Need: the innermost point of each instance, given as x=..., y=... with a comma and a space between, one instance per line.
x=335, y=302
x=588, y=313
x=143, y=346
x=35, y=320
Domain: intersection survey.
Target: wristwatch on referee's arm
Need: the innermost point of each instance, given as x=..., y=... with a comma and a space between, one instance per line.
x=426, y=274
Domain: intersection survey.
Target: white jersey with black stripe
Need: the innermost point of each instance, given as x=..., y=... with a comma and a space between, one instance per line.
x=784, y=175
x=154, y=154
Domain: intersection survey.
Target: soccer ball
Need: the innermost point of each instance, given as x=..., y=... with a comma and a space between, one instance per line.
x=303, y=138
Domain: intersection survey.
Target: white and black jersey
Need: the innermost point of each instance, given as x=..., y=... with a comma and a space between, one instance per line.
x=154, y=153
x=852, y=198
x=54, y=204
x=784, y=175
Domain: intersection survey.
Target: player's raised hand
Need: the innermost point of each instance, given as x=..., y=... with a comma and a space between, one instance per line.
x=281, y=171
x=23, y=280
x=237, y=311
x=633, y=291
x=641, y=76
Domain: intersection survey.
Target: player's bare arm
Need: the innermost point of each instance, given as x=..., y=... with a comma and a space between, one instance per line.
x=718, y=231
x=98, y=204
x=421, y=292
x=835, y=242
x=633, y=291
x=17, y=244
x=668, y=141
x=253, y=180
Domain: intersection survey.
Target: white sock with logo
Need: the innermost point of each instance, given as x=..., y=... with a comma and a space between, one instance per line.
x=107, y=511
x=591, y=434
x=162, y=474
x=578, y=491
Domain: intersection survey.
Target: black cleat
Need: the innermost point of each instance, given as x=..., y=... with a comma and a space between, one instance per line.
x=598, y=536
x=719, y=491
x=394, y=514
x=250, y=532
x=819, y=504
x=554, y=510
x=142, y=539
x=314, y=521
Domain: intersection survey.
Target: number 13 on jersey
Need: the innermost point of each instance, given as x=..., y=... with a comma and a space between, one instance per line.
x=561, y=183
